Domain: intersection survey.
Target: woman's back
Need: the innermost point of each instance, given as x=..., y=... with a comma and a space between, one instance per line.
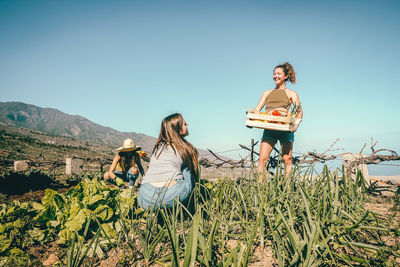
x=171, y=172
x=164, y=166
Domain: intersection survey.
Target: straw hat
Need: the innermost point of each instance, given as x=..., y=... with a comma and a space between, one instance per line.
x=128, y=145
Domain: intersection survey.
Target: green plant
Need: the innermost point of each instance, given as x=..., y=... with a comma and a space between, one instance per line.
x=308, y=219
x=16, y=233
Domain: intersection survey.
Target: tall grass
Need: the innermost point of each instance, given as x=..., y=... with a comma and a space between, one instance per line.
x=309, y=220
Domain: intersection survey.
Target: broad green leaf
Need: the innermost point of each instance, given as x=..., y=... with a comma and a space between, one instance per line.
x=17, y=257
x=46, y=215
x=18, y=224
x=63, y=236
x=95, y=200
x=25, y=206
x=9, y=211
x=53, y=223
x=75, y=207
x=5, y=243
x=59, y=202
x=119, y=182
x=109, y=229
x=106, y=193
x=127, y=200
x=127, y=194
x=104, y=212
x=77, y=222
x=36, y=234
x=48, y=197
x=37, y=206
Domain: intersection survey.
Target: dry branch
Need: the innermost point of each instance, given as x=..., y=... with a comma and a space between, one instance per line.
x=245, y=147
x=308, y=158
x=231, y=164
x=312, y=157
x=373, y=158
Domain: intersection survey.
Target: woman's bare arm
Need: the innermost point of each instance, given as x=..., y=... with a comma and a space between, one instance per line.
x=294, y=97
x=113, y=166
x=262, y=101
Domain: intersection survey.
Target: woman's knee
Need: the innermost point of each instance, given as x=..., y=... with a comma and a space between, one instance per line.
x=263, y=160
x=287, y=159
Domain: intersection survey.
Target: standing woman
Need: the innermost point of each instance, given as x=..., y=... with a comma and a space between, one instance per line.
x=278, y=101
x=173, y=166
x=126, y=163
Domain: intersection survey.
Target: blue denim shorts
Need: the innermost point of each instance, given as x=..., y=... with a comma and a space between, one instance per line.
x=151, y=196
x=128, y=177
x=274, y=136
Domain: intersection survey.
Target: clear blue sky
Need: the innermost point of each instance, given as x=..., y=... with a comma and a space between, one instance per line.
x=128, y=64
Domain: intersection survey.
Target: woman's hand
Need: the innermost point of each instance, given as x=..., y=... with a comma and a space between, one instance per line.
x=134, y=170
x=296, y=125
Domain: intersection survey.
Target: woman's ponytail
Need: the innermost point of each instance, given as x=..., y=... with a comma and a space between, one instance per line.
x=289, y=71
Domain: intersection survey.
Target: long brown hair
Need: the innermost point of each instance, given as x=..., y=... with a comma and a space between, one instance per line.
x=129, y=159
x=170, y=134
x=289, y=71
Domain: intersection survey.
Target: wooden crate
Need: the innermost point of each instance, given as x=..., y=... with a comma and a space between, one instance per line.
x=269, y=122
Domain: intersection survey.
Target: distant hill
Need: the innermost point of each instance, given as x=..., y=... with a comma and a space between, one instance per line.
x=55, y=122
x=58, y=123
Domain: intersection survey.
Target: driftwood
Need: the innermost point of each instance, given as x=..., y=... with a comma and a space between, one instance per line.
x=374, y=158
x=231, y=164
x=308, y=157
x=313, y=156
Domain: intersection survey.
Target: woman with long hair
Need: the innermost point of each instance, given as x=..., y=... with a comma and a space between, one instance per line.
x=126, y=163
x=173, y=167
x=277, y=102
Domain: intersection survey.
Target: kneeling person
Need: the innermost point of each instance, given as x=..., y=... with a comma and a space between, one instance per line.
x=173, y=166
x=126, y=163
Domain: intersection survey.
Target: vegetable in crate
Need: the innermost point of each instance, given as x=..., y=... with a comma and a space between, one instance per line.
x=276, y=113
x=262, y=113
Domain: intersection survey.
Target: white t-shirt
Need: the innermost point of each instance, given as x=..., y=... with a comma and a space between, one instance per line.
x=167, y=166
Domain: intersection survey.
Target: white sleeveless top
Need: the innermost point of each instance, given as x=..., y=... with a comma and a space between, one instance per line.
x=167, y=166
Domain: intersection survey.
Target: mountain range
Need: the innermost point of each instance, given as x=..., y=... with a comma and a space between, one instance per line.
x=55, y=122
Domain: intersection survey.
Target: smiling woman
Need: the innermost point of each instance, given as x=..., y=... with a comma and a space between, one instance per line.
x=277, y=103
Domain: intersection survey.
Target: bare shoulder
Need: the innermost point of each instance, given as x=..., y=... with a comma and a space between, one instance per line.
x=292, y=94
x=266, y=93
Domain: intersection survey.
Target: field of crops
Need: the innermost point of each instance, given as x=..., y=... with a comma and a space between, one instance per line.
x=300, y=220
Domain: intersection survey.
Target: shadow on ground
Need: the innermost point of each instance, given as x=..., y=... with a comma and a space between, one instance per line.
x=16, y=183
